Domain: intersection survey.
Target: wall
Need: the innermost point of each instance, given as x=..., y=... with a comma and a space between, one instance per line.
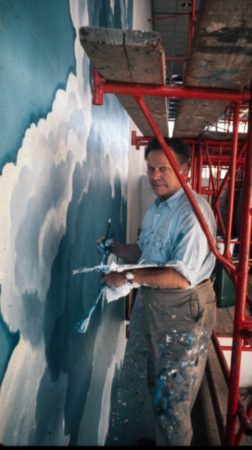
x=137, y=166
x=64, y=172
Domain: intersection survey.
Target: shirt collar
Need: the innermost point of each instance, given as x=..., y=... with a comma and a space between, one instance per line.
x=170, y=201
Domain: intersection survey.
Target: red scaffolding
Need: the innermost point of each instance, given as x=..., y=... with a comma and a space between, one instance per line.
x=229, y=155
x=217, y=166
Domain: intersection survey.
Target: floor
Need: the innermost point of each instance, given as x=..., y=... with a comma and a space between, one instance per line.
x=132, y=418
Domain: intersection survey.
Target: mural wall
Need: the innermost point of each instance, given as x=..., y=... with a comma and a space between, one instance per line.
x=64, y=171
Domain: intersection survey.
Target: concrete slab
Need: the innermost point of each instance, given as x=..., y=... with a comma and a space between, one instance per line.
x=221, y=57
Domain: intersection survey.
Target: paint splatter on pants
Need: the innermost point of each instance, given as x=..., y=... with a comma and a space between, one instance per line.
x=178, y=325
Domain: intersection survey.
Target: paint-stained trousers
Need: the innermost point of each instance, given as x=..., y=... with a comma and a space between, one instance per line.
x=178, y=324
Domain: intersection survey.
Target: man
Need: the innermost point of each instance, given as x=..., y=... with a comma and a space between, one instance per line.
x=178, y=301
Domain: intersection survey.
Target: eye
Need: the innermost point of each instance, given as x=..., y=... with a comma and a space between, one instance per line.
x=150, y=169
x=164, y=170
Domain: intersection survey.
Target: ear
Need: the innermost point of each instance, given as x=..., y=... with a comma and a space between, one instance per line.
x=184, y=170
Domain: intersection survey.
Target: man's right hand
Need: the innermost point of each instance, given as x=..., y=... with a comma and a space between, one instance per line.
x=128, y=252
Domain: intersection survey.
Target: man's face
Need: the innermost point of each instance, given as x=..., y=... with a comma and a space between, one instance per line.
x=161, y=175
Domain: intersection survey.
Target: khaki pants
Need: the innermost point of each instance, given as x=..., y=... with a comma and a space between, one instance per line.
x=178, y=325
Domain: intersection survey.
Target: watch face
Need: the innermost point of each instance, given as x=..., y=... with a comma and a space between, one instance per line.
x=129, y=276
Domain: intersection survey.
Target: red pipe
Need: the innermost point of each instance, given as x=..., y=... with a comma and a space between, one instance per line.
x=243, y=417
x=240, y=432
x=211, y=177
x=213, y=144
x=217, y=143
x=229, y=348
x=220, y=220
x=224, y=160
x=193, y=174
x=207, y=191
x=232, y=181
x=98, y=82
x=246, y=325
x=199, y=181
x=196, y=175
x=109, y=87
x=139, y=140
x=226, y=178
x=100, y=87
x=242, y=280
x=191, y=27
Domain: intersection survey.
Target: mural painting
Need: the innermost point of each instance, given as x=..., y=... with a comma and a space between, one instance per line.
x=63, y=175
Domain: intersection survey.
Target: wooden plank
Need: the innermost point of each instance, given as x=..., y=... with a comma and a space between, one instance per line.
x=106, y=52
x=145, y=51
x=129, y=56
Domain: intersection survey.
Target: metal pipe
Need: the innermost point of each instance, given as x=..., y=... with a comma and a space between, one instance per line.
x=193, y=172
x=211, y=177
x=138, y=90
x=97, y=89
x=199, y=181
x=109, y=87
x=243, y=416
x=246, y=325
x=240, y=431
x=213, y=144
x=232, y=181
x=226, y=178
x=224, y=160
x=220, y=219
x=191, y=26
x=242, y=280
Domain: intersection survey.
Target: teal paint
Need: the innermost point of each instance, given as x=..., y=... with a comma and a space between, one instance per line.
x=71, y=298
x=101, y=14
x=32, y=68
x=36, y=57
x=8, y=341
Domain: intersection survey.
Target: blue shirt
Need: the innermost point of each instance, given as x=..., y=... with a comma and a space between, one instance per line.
x=172, y=234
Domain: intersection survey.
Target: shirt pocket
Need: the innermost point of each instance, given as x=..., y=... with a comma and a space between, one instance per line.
x=160, y=246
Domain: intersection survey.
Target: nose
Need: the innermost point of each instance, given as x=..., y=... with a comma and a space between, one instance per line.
x=155, y=175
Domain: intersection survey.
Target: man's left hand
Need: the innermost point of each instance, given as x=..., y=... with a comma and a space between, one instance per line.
x=114, y=279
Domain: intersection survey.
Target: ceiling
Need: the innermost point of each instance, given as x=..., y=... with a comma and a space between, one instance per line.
x=171, y=19
x=220, y=55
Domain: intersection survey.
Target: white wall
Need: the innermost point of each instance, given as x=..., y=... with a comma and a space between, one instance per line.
x=141, y=14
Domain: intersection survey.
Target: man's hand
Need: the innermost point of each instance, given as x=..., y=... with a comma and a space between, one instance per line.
x=129, y=252
x=114, y=279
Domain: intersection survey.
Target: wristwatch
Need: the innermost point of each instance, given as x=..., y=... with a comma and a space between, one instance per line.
x=129, y=277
